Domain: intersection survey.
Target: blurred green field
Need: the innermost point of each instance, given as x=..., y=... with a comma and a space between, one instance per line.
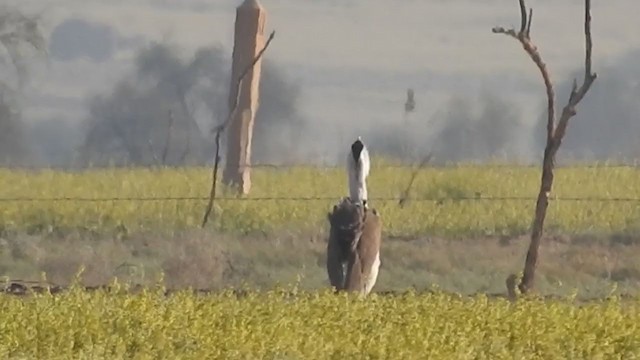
x=452, y=202
x=286, y=324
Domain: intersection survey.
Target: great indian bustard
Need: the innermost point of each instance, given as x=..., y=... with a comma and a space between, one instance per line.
x=353, y=250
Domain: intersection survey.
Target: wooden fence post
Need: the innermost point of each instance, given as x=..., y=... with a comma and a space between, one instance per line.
x=248, y=40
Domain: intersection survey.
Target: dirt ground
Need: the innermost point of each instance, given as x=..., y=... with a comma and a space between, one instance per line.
x=593, y=265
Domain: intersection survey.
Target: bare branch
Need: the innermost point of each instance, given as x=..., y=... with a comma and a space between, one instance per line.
x=212, y=193
x=523, y=17
x=588, y=42
x=244, y=73
x=577, y=94
x=529, y=24
x=220, y=128
x=535, y=56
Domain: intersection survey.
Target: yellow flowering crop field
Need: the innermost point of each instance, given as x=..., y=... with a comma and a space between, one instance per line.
x=458, y=201
x=286, y=324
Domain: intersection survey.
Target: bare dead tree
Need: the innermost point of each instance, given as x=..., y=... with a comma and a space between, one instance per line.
x=220, y=129
x=186, y=150
x=18, y=29
x=18, y=33
x=555, y=133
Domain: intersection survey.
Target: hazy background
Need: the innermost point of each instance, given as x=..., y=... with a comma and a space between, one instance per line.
x=120, y=74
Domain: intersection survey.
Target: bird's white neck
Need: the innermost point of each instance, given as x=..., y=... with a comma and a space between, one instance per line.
x=358, y=171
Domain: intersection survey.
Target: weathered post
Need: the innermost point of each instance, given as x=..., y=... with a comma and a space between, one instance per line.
x=248, y=41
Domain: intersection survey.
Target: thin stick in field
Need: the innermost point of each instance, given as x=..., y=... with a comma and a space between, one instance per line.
x=405, y=194
x=220, y=129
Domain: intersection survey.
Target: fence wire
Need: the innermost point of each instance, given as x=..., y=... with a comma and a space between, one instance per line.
x=330, y=166
x=318, y=198
x=336, y=197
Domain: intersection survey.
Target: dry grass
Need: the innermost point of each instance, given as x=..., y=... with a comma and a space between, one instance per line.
x=204, y=260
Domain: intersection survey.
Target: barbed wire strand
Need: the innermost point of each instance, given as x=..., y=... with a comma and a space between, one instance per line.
x=316, y=198
x=324, y=166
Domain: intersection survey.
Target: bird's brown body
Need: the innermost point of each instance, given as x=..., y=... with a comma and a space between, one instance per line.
x=353, y=250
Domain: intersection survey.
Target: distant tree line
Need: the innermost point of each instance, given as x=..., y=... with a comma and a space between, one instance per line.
x=162, y=111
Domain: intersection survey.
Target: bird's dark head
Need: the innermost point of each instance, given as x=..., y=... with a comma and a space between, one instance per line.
x=356, y=149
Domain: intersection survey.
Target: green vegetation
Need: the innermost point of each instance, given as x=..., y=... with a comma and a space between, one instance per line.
x=286, y=323
x=263, y=243
x=449, y=209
